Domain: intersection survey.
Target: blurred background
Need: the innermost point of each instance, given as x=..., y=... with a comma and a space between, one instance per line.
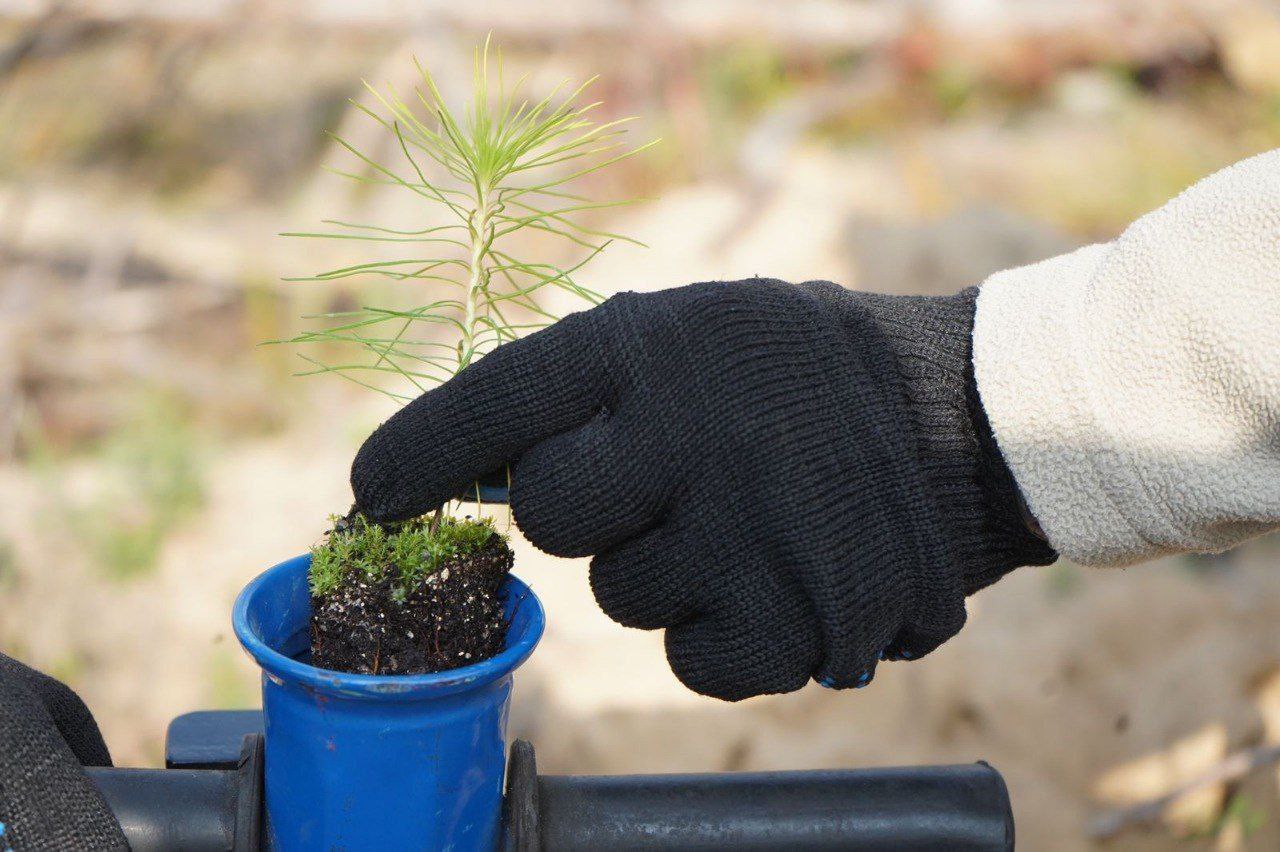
x=153, y=457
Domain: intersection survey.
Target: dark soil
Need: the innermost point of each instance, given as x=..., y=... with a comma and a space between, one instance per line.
x=453, y=618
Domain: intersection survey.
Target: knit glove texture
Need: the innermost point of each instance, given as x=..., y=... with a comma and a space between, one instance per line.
x=46, y=736
x=795, y=481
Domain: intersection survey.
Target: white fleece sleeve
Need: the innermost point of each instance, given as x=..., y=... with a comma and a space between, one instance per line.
x=1134, y=386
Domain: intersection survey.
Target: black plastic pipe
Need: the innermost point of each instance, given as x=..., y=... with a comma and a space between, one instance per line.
x=963, y=807
x=196, y=810
x=943, y=807
x=162, y=809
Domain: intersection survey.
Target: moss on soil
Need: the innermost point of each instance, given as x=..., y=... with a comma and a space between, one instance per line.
x=406, y=599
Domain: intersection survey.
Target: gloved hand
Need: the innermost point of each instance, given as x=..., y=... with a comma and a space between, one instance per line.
x=794, y=481
x=46, y=736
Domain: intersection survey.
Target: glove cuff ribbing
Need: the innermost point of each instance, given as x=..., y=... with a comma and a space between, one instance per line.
x=976, y=495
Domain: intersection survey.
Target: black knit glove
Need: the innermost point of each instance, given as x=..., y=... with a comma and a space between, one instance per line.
x=46, y=736
x=794, y=481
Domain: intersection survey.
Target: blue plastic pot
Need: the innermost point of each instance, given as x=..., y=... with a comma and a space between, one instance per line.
x=378, y=761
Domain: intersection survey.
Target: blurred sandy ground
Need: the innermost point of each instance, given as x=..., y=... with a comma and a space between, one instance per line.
x=154, y=458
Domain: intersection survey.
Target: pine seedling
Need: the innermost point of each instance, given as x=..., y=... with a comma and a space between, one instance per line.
x=502, y=170
x=503, y=167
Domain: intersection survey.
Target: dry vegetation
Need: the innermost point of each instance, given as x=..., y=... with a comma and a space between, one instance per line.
x=154, y=458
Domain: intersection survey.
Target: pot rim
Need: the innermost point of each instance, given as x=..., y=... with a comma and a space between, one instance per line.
x=284, y=668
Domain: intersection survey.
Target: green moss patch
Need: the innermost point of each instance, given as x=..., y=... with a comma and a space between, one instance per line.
x=407, y=553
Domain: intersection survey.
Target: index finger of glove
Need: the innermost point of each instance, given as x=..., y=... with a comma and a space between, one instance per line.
x=522, y=393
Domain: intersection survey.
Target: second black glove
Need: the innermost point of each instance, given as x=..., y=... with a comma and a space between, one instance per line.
x=47, y=736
